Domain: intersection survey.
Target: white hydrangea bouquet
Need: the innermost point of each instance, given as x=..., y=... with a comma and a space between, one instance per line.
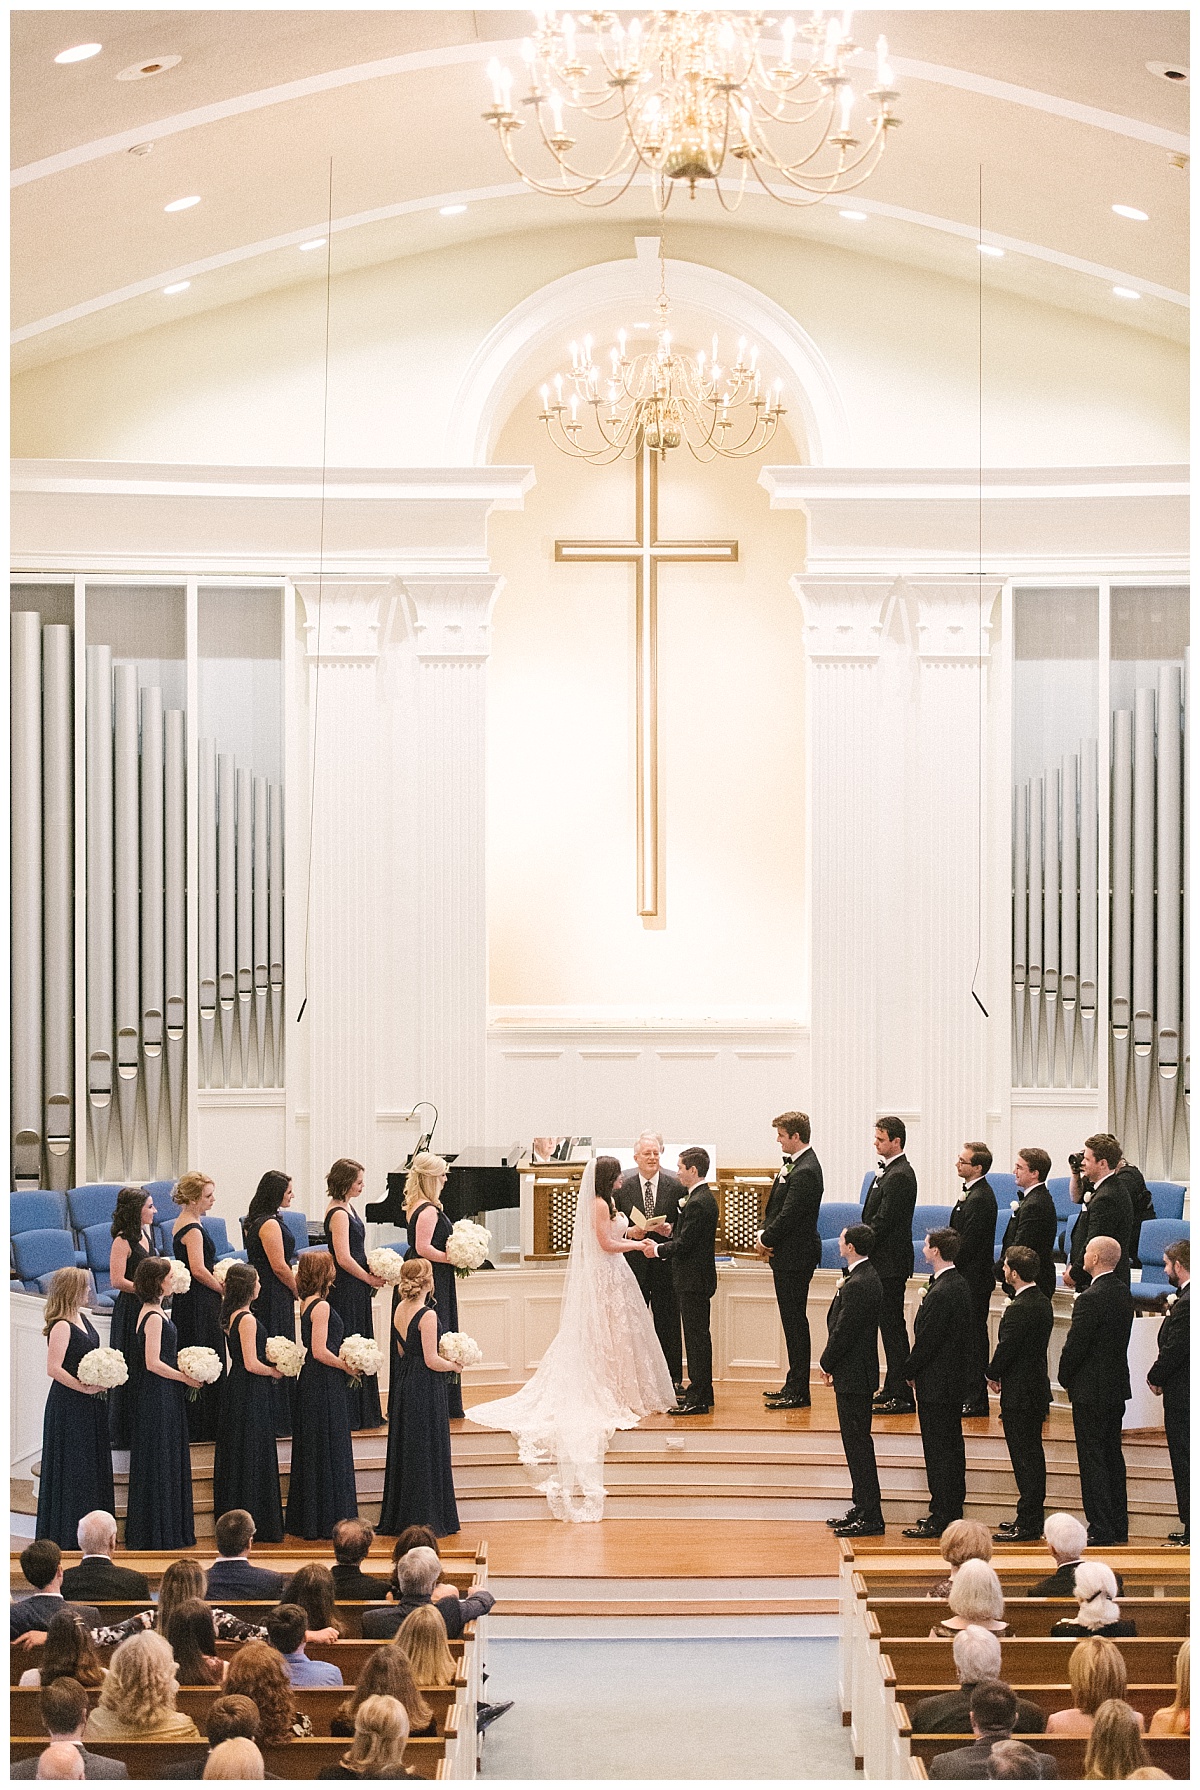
x=103, y=1368
x=362, y=1356
x=221, y=1269
x=385, y=1265
x=201, y=1364
x=179, y=1280
x=462, y=1350
x=467, y=1247
x=286, y=1355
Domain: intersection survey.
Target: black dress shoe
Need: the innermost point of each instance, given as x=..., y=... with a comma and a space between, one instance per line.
x=894, y=1408
x=487, y=1713
x=1012, y=1525
x=976, y=1411
x=851, y=1516
x=1179, y=1538
x=680, y=1388
x=1011, y=1535
x=781, y=1393
x=861, y=1526
x=687, y=1409
x=790, y=1401
x=925, y=1530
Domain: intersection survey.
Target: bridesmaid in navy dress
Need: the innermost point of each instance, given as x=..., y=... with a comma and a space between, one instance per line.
x=76, y=1473
x=322, y=1489
x=351, y=1295
x=429, y=1229
x=196, y=1314
x=134, y=1214
x=160, y=1460
x=418, y=1485
x=245, y=1462
x=270, y=1249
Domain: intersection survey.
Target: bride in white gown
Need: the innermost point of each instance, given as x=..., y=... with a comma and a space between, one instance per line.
x=605, y=1369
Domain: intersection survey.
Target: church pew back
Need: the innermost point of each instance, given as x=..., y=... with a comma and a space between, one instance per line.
x=1170, y=1754
x=1145, y=1698
x=460, y=1567
x=1024, y=1661
x=294, y=1759
x=319, y=1704
x=1030, y=1616
x=349, y=1615
x=1169, y=1578
x=348, y=1655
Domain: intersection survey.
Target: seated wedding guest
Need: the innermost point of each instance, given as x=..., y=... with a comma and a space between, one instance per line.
x=976, y=1600
x=423, y=1637
x=1066, y=1538
x=1148, y=1771
x=993, y=1714
x=229, y=1718
x=352, y=1539
x=311, y=1587
x=1176, y=1718
x=1012, y=1759
x=959, y=1542
x=286, y=1627
x=232, y=1576
x=380, y=1737
x=29, y=1619
x=976, y=1657
x=417, y=1535
x=96, y=1579
x=191, y=1635
x=60, y=1761
x=417, y=1574
x=68, y=1652
x=137, y=1699
x=1115, y=1747
x=239, y=1759
x=1096, y=1670
x=181, y=1582
x=64, y=1707
x=1098, y=1612
x=256, y=1671
x=389, y=1673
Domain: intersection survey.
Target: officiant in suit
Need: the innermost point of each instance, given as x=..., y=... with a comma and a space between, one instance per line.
x=789, y=1241
x=690, y=1259
x=974, y=1218
x=654, y=1191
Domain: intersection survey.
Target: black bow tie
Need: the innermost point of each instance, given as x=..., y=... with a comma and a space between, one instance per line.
x=882, y=1164
x=787, y=1161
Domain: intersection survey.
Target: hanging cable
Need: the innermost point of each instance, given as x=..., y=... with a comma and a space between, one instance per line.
x=979, y=644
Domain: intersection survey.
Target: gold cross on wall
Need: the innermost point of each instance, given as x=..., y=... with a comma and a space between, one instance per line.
x=646, y=553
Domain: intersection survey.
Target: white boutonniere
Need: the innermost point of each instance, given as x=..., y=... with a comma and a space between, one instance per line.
x=1087, y=1198
x=1015, y=1206
x=683, y=1200
x=1171, y=1298
x=925, y=1289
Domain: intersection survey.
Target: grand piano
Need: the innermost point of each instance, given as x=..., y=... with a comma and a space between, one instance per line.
x=479, y=1180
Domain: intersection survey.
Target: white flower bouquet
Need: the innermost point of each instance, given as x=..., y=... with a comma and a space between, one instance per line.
x=104, y=1368
x=201, y=1364
x=179, y=1280
x=362, y=1356
x=461, y=1349
x=221, y=1269
x=385, y=1264
x=467, y=1247
x=286, y=1355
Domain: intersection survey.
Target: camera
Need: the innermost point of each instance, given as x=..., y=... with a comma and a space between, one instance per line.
x=1076, y=1162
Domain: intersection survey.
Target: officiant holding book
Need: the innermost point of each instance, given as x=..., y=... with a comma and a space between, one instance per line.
x=649, y=1197
x=690, y=1258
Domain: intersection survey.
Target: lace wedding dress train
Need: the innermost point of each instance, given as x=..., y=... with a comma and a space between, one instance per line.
x=604, y=1371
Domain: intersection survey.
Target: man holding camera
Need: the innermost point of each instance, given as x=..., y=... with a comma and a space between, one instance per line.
x=1107, y=1208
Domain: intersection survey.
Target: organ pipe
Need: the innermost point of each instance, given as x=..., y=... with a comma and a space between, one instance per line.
x=1051, y=879
x=276, y=929
x=1037, y=809
x=1069, y=981
x=1143, y=909
x=1120, y=967
x=1089, y=901
x=26, y=849
x=152, y=916
x=58, y=902
x=226, y=905
x=245, y=915
x=261, y=940
x=1170, y=896
x=99, y=820
x=207, y=904
x=175, y=921
x=126, y=968
x=1020, y=918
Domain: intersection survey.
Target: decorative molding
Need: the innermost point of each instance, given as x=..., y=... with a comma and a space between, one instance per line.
x=452, y=617
x=342, y=619
x=954, y=617
x=843, y=620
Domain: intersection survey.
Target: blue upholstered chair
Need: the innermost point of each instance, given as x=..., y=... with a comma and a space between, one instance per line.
x=1004, y=1186
x=926, y=1219
x=36, y=1210
x=865, y=1189
x=1003, y=1215
x=97, y=1243
x=38, y=1255
x=1168, y=1198
x=1156, y=1234
x=833, y=1218
x=296, y=1223
x=831, y=1255
x=92, y=1205
x=217, y=1231
x=1059, y=1189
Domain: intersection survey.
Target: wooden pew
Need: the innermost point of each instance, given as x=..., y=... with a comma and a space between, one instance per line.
x=349, y=1615
x=1145, y=1698
x=460, y=1566
x=297, y=1759
x=319, y=1704
x=1169, y=1753
x=347, y=1655
x=1030, y=1617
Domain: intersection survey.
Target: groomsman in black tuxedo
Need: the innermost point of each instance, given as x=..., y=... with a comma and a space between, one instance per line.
x=655, y=1192
x=1094, y=1368
x=789, y=1241
x=1107, y=1208
x=850, y=1365
x=888, y=1210
x=1171, y=1378
x=974, y=1218
x=937, y=1371
x=690, y=1258
x=1019, y=1371
x=1034, y=1222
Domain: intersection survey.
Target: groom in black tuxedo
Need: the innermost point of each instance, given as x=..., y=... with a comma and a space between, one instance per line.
x=655, y=1193
x=790, y=1243
x=690, y=1259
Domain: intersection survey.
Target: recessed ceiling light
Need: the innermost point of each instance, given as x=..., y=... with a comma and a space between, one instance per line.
x=989, y=248
x=140, y=148
x=451, y=211
x=179, y=286
x=154, y=65
x=1125, y=292
x=183, y=204
x=641, y=326
x=80, y=53
x=318, y=242
x=1131, y=211
x=853, y=217
x=1169, y=71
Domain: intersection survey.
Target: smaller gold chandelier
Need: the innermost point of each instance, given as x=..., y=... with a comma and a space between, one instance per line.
x=661, y=400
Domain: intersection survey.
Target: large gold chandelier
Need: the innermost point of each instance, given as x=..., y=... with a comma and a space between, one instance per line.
x=695, y=97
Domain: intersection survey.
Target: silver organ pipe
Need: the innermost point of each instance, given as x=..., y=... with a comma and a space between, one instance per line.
x=1051, y=881
x=1121, y=960
x=226, y=905
x=58, y=902
x=1020, y=919
x=1089, y=901
x=175, y=922
x=276, y=930
x=127, y=969
x=26, y=848
x=1037, y=809
x=207, y=904
x=152, y=916
x=1170, y=897
x=261, y=940
x=1069, y=973
x=99, y=820
x=245, y=916
x=1143, y=909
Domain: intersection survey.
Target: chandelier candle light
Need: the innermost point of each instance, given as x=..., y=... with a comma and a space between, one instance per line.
x=696, y=97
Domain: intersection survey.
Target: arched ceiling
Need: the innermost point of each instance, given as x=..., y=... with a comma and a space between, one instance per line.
x=1056, y=107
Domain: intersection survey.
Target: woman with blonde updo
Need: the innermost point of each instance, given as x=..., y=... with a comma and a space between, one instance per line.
x=196, y=1314
x=322, y=1489
x=137, y=1698
x=429, y=1231
x=76, y=1472
x=380, y=1737
x=418, y=1485
x=354, y=1284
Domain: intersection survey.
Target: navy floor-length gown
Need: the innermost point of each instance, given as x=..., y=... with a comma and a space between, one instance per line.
x=351, y=1299
x=322, y=1489
x=276, y=1307
x=418, y=1486
x=445, y=1289
x=160, y=1459
x=120, y=1336
x=76, y=1473
x=196, y=1316
x=245, y=1461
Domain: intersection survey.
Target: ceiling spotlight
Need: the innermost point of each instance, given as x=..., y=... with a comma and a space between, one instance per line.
x=853, y=217
x=179, y=286
x=140, y=148
x=183, y=204
x=318, y=242
x=989, y=248
x=1169, y=71
x=80, y=53
x=451, y=211
x=1125, y=292
x=1131, y=211
x=155, y=65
